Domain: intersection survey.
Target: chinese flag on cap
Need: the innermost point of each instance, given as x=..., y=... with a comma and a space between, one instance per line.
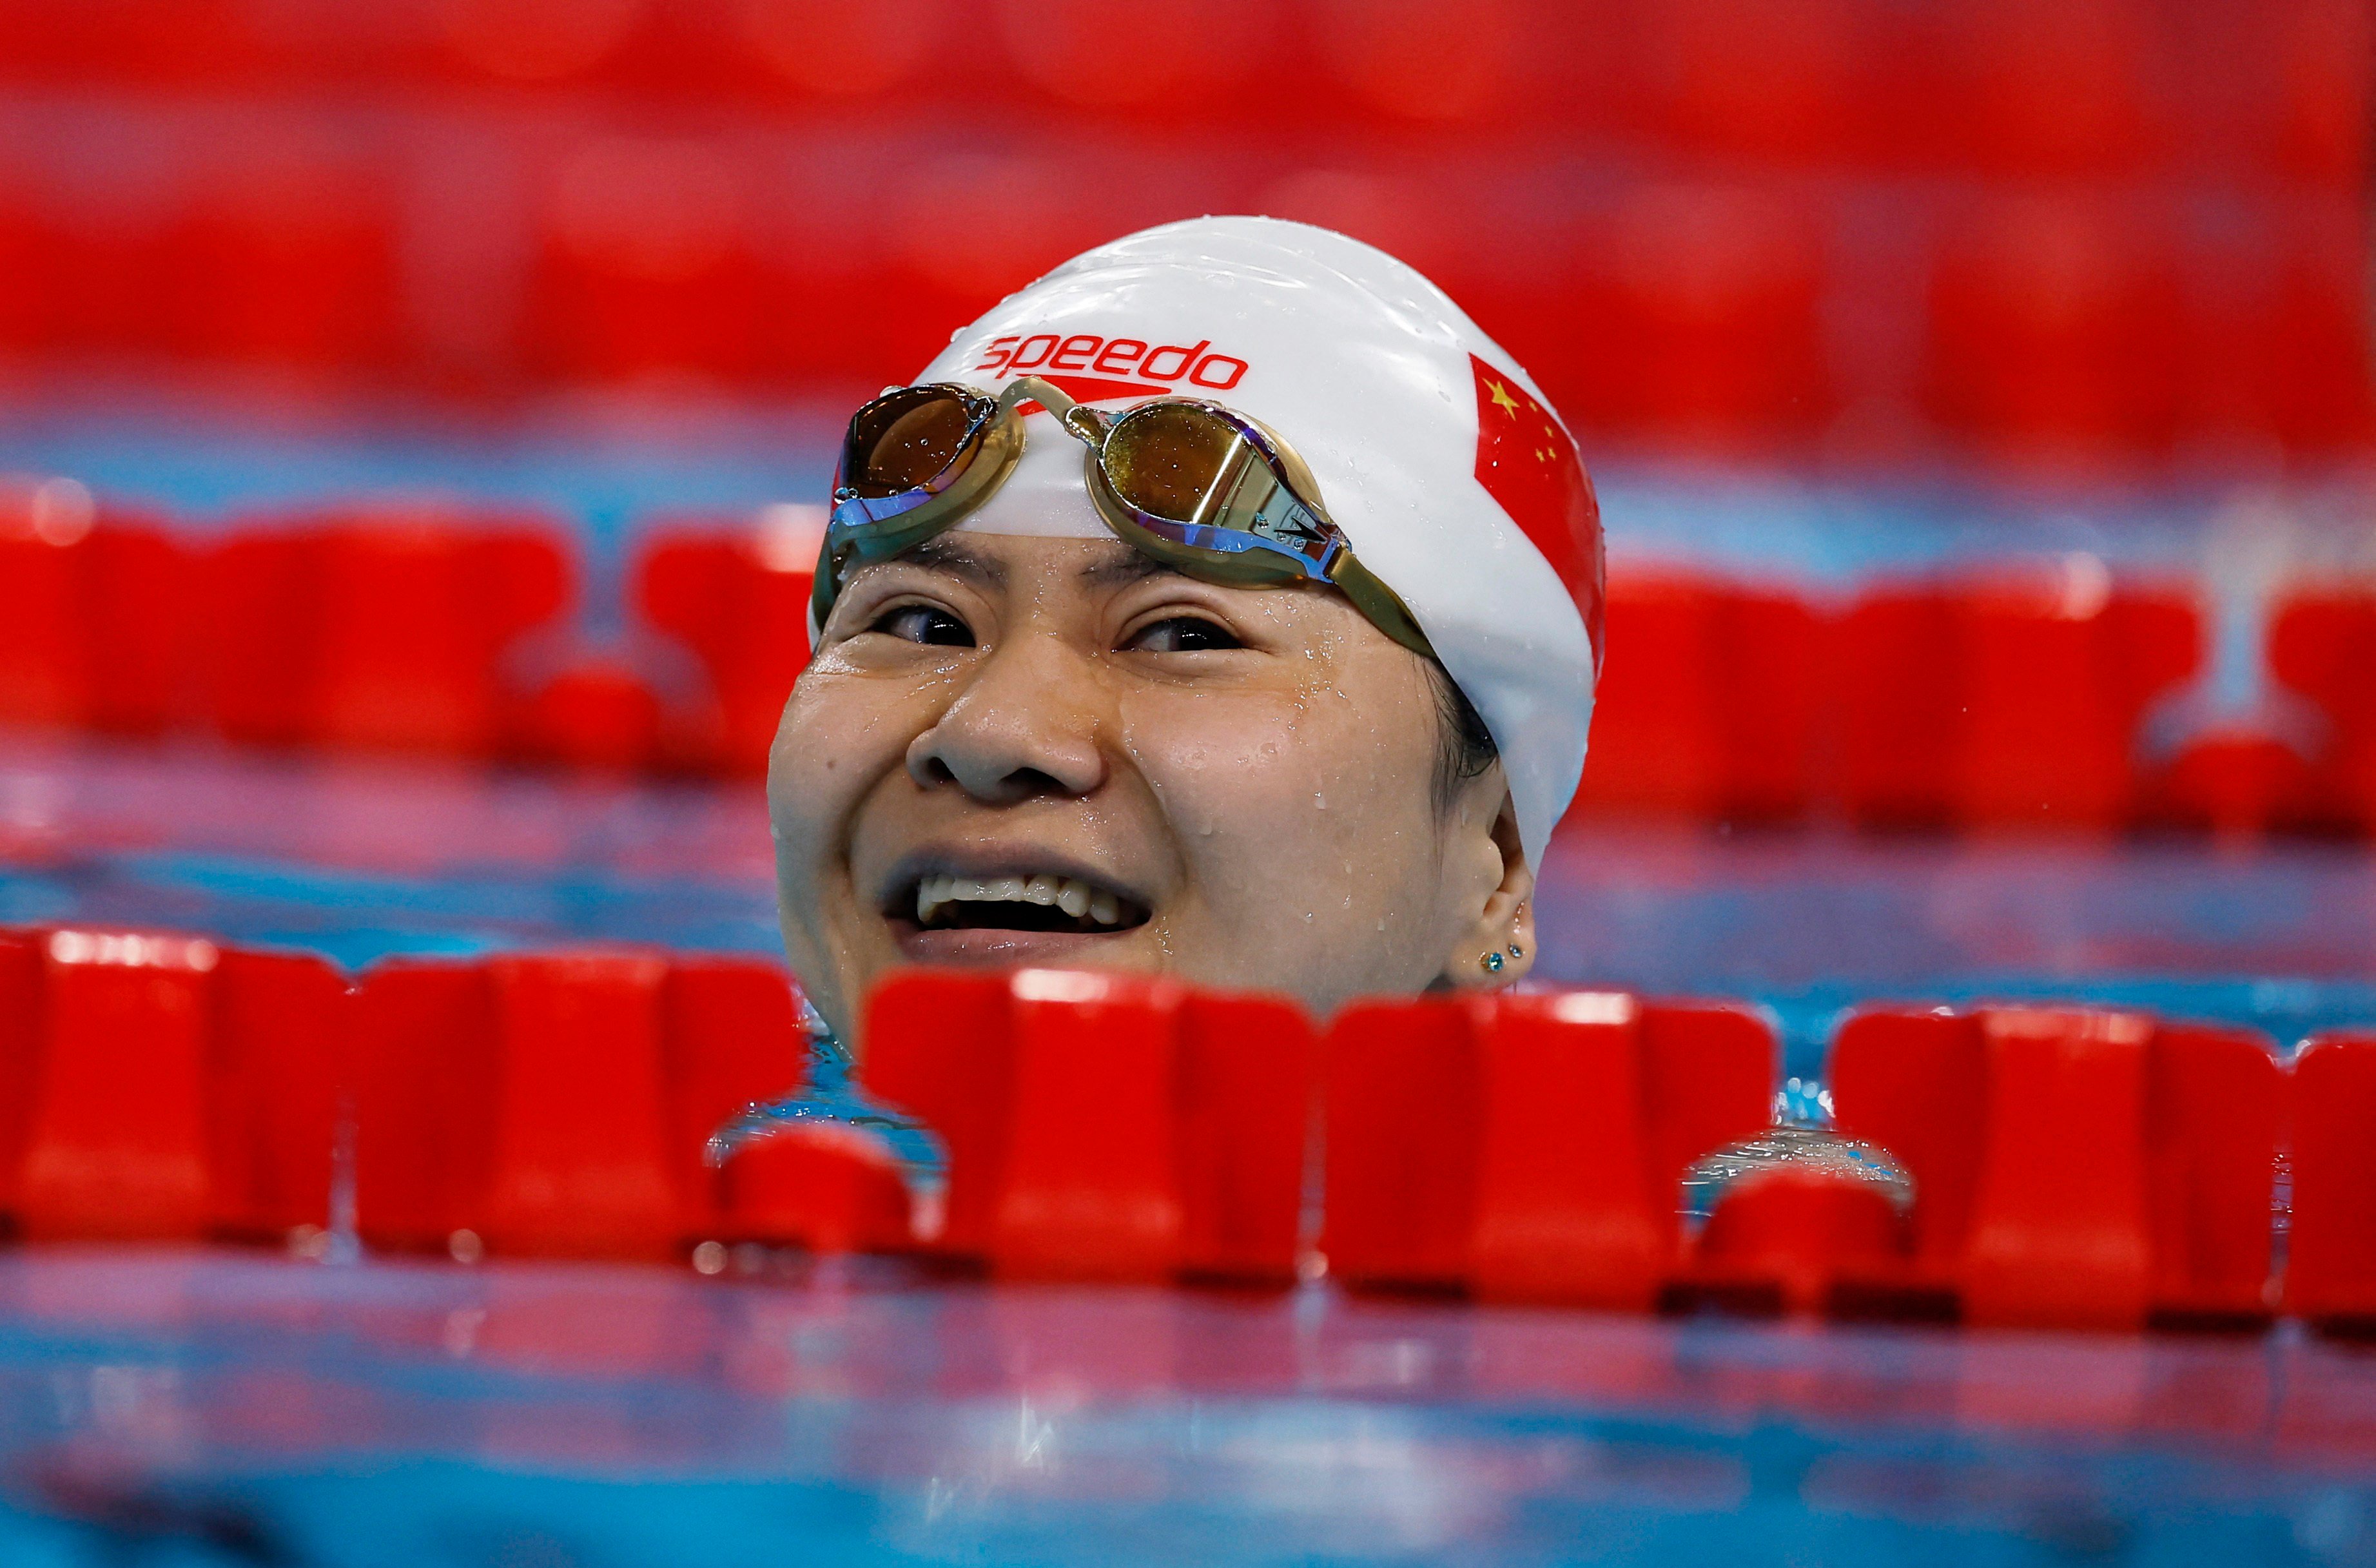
x=1529, y=463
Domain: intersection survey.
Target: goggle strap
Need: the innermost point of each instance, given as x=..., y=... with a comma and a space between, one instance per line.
x=1382, y=604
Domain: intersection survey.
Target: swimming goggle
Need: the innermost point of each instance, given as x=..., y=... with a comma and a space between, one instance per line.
x=1200, y=488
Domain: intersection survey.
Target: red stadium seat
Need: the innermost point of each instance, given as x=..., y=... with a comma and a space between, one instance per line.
x=536, y=41
x=648, y=264
x=2059, y=86
x=101, y=239
x=2323, y=644
x=2331, y=1247
x=1694, y=316
x=288, y=262
x=2322, y=91
x=559, y=1103
x=380, y=628
x=1104, y=1126
x=1709, y=706
x=2074, y=1168
x=2278, y=326
x=1529, y=1147
x=151, y=44
x=1768, y=78
x=1153, y=64
x=964, y=229
x=164, y=1088
x=1433, y=62
x=738, y=597
x=287, y=257
x=94, y=614
x=839, y=53
x=2010, y=700
x=2306, y=355
x=27, y=323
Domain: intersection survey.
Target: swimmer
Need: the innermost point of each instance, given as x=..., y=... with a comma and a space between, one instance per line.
x=1223, y=605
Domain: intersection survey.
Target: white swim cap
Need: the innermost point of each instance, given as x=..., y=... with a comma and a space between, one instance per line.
x=1451, y=476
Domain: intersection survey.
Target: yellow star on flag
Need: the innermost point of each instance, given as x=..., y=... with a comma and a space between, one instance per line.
x=1502, y=396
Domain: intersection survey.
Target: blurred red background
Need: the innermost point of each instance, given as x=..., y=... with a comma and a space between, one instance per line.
x=1853, y=227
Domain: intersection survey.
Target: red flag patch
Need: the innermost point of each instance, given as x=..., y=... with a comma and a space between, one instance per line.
x=1529, y=463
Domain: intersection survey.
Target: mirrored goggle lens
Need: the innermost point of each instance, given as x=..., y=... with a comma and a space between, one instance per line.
x=1184, y=464
x=916, y=439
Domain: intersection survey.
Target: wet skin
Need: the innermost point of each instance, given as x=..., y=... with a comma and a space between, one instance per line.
x=1234, y=786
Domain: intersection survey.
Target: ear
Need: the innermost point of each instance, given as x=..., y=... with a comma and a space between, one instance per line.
x=1506, y=927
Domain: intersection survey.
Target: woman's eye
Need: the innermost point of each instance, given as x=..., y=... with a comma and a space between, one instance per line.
x=1182, y=634
x=922, y=623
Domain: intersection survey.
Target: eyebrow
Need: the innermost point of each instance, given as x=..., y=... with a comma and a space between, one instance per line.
x=946, y=554
x=1122, y=568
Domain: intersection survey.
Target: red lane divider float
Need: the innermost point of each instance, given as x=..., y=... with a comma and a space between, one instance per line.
x=2238, y=783
x=2321, y=645
x=378, y=629
x=821, y=1185
x=2016, y=697
x=2072, y=1168
x=559, y=1104
x=1712, y=703
x=1531, y=1148
x=162, y=1087
x=2330, y=1252
x=1104, y=1126
x=2012, y=698
x=92, y=613
x=738, y=597
x=2011, y=701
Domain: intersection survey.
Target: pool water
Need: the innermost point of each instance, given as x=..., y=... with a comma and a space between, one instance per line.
x=162, y=1407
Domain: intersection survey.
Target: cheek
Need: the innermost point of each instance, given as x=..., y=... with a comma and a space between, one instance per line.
x=838, y=736
x=1266, y=789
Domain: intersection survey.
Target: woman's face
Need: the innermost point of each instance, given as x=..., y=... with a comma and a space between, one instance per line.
x=1051, y=750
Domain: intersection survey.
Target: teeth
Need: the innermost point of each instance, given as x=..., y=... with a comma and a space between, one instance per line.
x=1074, y=896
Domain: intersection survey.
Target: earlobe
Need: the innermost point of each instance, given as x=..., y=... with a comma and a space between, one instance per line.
x=1498, y=948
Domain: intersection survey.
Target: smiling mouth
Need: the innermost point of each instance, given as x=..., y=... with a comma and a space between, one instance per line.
x=1040, y=903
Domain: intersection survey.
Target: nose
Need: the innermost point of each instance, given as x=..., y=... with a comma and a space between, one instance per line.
x=1026, y=725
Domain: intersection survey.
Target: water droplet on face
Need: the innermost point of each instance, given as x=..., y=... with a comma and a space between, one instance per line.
x=1319, y=800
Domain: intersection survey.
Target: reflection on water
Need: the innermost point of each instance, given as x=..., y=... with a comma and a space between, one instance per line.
x=1816, y=1149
